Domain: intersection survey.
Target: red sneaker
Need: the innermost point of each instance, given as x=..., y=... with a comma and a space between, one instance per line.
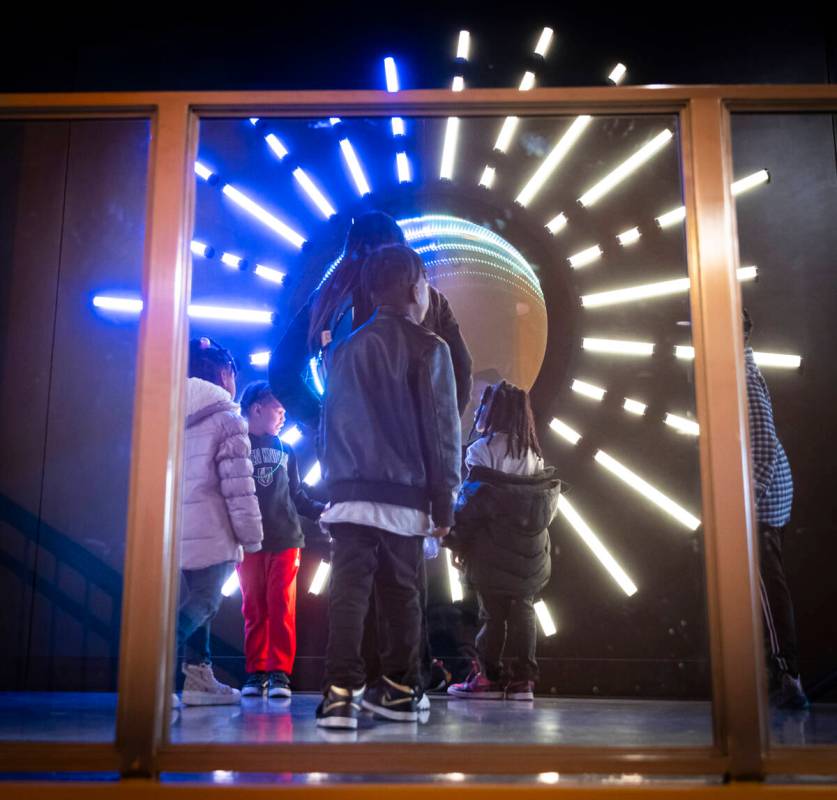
x=520, y=690
x=477, y=686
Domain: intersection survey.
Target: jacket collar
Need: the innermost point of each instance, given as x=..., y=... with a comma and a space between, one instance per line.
x=204, y=399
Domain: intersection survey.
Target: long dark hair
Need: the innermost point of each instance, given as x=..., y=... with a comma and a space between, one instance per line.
x=368, y=232
x=505, y=408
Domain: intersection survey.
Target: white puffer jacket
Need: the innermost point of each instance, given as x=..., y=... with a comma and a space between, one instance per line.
x=220, y=510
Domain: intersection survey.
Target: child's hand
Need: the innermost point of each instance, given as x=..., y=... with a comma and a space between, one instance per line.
x=440, y=533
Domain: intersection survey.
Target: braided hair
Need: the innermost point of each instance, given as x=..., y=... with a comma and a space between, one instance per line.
x=208, y=360
x=505, y=408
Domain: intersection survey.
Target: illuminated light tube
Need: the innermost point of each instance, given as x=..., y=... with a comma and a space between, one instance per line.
x=254, y=121
x=565, y=431
x=398, y=128
x=320, y=578
x=551, y=162
x=617, y=74
x=548, y=777
x=628, y=237
x=785, y=360
x=585, y=257
x=453, y=577
x=203, y=171
x=618, y=346
x=684, y=352
x=458, y=83
x=588, y=390
x=275, y=224
x=682, y=424
x=626, y=168
x=231, y=314
x=315, y=376
x=487, y=179
x=647, y=490
x=463, y=46
x=545, y=619
x=747, y=273
x=528, y=81
x=279, y=150
x=260, y=359
x=633, y=293
x=596, y=547
x=129, y=305
x=750, y=182
x=545, y=40
x=291, y=436
x=232, y=260
x=358, y=176
x=334, y=121
x=634, y=406
x=269, y=273
x=454, y=776
x=557, y=223
x=671, y=217
x=504, y=139
x=449, y=149
x=200, y=249
x=231, y=585
x=402, y=164
x=314, y=193
x=312, y=477
x=391, y=74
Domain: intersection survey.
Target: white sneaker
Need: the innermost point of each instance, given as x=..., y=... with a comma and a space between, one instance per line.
x=175, y=701
x=203, y=689
x=424, y=702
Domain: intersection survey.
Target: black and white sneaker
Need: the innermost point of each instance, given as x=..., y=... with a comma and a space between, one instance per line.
x=392, y=701
x=340, y=708
x=279, y=685
x=255, y=684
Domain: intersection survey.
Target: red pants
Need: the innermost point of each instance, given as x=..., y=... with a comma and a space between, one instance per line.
x=268, y=593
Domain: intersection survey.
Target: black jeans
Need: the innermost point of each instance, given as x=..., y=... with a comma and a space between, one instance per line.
x=364, y=558
x=499, y=614
x=203, y=599
x=776, y=603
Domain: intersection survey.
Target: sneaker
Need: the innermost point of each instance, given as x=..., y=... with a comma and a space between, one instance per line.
x=789, y=694
x=477, y=686
x=340, y=708
x=392, y=701
x=424, y=702
x=520, y=690
x=255, y=684
x=440, y=677
x=279, y=685
x=175, y=701
x=201, y=688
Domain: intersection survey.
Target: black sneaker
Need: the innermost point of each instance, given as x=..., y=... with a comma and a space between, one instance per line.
x=340, y=708
x=392, y=701
x=279, y=685
x=440, y=677
x=789, y=694
x=255, y=684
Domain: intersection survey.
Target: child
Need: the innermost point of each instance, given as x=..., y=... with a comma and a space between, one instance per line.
x=501, y=539
x=391, y=455
x=220, y=511
x=268, y=578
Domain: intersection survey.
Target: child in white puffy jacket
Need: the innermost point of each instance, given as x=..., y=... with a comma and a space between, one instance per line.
x=220, y=517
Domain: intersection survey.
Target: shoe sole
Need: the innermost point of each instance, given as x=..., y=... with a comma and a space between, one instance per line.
x=279, y=693
x=388, y=713
x=208, y=699
x=520, y=696
x=251, y=693
x=337, y=723
x=475, y=695
x=424, y=703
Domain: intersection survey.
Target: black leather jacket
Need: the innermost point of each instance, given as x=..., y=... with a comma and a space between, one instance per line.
x=390, y=427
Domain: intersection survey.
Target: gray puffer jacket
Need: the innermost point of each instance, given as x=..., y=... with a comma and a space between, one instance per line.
x=220, y=510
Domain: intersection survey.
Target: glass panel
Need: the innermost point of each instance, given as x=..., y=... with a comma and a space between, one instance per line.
x=72, y=215
x=787, y=236
x=559, y=245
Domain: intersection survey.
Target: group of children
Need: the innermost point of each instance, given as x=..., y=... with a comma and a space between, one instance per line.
x=390, y=451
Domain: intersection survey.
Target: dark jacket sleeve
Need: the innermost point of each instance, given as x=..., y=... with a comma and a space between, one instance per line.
x=439, y=424
x=443, y=323
x=287, y=368
x=305, y=505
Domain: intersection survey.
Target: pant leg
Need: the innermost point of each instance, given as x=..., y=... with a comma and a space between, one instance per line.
x=491, y=639
x=372, y=644
x=523, y=639
x=353, y=564
x=425, y=653
x=203, y=599
x=776, y=603
x=397, y=579
x=252, y=575
x=281, y=603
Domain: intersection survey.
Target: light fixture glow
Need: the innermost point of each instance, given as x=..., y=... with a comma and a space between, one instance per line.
x=313, y=476
x=551, y=162
x=544, y=42
x=557, y=223
x=269, y=273
x=671, y=217
x=402, y=164
x=626, y=168
x=199, y=248
x=275, y=224
x=315, y=376
x=453, y=577
x=548, y=777
x=647, y=490
x=458, y=777
x=279, y=149
x=232, y=260
x=291, y=436
x=231, y=314
x=358, y=176
x=631, y=293
x=588, y=390
x=748, y=273
x=320, y=578
x=527, y=82
x=449, y=149
x=784, y=360
x=565, y=431
x=398, y=127
x=487, y=179
x=596, y=547
x=458, y=83
x=506, y=134
x=618, y=346
x=203, y=171
x=628, y=237
x=391, y=74
x=684, y=352
x=634, y=406
x=463, y=46
x=314, y=193
x=129, y=305
x=260, y=358
x=545, y=619
x=617, y=73
x=682, y=424
x=231, y=585
x=750, y=182
x=585, y=257
x=254, y=121
x=334, y=121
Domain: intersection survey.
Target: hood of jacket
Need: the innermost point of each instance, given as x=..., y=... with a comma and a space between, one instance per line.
x=204, y=399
